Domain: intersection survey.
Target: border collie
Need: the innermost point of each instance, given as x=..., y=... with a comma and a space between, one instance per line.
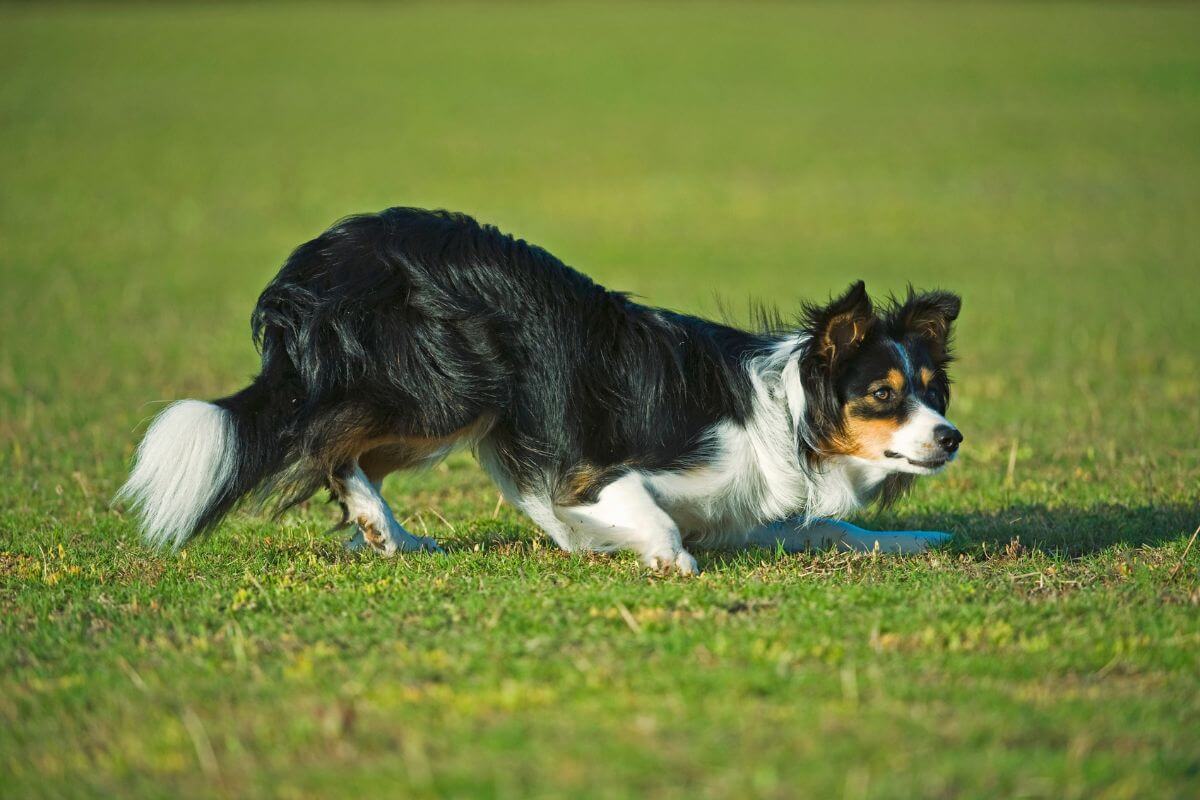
x=393, y=338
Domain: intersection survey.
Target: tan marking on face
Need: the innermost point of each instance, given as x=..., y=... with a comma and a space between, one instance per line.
x=895, y=379
x=862, y=436
x=869, y=438
x=926, y=375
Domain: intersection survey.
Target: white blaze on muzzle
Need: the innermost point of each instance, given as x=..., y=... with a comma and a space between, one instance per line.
x=917, y=439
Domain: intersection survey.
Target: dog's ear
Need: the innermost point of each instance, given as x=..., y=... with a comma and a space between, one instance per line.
x=839, y=328
x=930, y=317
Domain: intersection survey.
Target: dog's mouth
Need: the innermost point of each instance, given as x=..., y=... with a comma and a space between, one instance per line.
x=936, y=463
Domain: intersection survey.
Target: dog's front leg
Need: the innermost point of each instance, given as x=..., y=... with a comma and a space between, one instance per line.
x=794, y=536
x=626, y=516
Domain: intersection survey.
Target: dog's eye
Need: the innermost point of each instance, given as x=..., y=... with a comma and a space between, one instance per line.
x=883, y=393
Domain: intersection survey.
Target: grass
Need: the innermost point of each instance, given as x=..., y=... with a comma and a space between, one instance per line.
x=157, y=164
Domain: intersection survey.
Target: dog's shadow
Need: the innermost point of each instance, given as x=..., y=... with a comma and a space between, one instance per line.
x=1058, y=532
x=1067, y=532
x=1062, y=532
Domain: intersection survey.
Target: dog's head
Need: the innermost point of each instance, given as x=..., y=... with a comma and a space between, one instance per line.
x=875, y=382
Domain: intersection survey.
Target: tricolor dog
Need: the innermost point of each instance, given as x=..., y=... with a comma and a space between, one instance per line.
x=393, y=338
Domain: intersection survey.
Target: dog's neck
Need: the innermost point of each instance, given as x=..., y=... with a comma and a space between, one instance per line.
x=827, y=486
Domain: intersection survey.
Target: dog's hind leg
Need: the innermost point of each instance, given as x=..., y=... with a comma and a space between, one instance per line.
x=626, y=516
x=794, y=536
x=379, y=462
x=366, y=508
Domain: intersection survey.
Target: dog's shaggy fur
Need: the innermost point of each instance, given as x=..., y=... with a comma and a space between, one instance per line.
x=394, y=337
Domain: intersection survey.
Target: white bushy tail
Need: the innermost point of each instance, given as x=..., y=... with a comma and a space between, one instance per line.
x=185, y=464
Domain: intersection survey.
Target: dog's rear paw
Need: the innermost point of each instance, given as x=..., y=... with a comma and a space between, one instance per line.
x=681, y=563
x=389, y=547
x=425, y=544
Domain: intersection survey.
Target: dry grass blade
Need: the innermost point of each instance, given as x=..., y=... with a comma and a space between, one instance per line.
x=630, y=620
x=200, y=741
x=1182, y=558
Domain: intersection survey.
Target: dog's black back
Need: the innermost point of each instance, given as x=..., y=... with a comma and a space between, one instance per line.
x=419, y=324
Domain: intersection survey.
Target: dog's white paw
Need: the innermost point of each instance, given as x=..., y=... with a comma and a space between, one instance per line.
x=401, y=541
x=681, y=563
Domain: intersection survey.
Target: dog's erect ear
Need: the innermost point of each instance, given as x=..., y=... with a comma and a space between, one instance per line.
x=840, y=327
x=929, y=316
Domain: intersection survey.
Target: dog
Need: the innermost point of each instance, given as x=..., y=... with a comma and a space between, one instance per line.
x=393, y=338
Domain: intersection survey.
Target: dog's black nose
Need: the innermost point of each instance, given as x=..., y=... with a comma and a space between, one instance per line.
x=948, y=437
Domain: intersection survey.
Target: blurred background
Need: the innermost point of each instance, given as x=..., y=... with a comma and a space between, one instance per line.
x=159, y=161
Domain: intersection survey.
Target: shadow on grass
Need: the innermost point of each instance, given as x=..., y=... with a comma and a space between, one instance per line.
x=1058, y=531
x=1063, y=531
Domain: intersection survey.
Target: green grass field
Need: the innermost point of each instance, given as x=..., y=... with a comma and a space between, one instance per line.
x=157, y=164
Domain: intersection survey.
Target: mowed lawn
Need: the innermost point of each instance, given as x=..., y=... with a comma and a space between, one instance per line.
x=157, y=164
